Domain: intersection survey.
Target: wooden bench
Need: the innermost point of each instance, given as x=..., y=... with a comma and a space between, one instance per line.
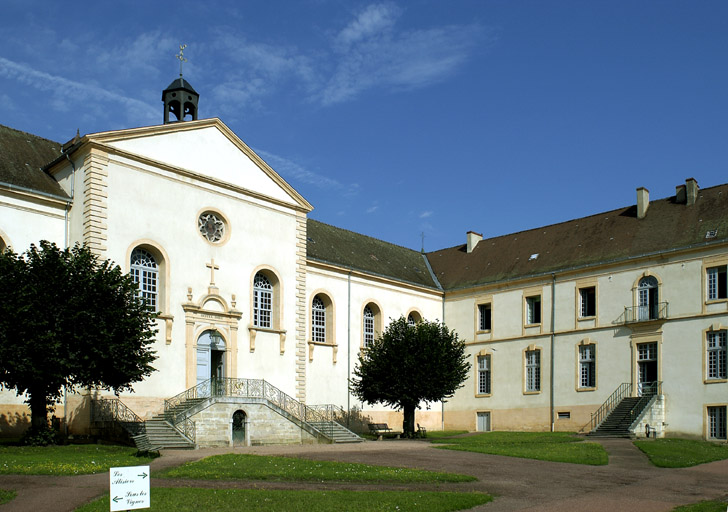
x=382, y=429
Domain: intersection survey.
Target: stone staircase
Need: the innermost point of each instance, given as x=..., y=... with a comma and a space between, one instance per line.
x=161, y=434
x=619, y=420
x=336, y=432
x=174, y=429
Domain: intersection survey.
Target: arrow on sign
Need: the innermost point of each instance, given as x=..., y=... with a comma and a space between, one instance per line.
x=143, y=475
x=117, y=499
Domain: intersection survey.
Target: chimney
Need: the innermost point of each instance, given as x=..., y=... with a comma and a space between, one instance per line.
x=473, y=239
x=643, y=201
x=691, y=188
x=680, y=197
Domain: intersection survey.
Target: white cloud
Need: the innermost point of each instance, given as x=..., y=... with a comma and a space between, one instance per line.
x=144, y=54
x=6, y=102
x=371, y=54
x=426, y=214
x=372, y=209
x=292, y=171
x=70, y=94
x=373, y=19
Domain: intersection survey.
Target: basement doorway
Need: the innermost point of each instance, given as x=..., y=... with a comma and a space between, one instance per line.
x=240, y=420
x=483, y=422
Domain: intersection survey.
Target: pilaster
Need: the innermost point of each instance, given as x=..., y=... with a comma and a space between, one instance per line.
x=301, y=308
x=95, y=196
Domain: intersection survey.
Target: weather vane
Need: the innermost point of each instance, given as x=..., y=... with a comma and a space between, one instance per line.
x=181, y=57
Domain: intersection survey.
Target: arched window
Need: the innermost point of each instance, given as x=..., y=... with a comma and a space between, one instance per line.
x=368, y=322
x=647, y=298
x=145, y=273
x=414, y=317
x=262, y=301
x=318, y=320
x=371, y=320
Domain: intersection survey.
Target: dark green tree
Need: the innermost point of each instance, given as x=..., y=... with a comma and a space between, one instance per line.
x=69, y=320
x=410, y=364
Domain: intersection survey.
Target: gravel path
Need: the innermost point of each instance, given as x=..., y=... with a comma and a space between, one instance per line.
x=628, y=483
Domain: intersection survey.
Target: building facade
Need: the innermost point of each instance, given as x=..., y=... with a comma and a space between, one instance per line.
x=556, y=319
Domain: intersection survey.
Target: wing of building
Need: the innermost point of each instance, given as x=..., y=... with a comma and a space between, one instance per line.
x=263, y=311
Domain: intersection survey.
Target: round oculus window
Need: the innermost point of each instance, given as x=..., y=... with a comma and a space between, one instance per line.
x=211, y=226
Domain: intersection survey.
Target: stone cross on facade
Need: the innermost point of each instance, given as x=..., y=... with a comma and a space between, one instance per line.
x=181, y=57
x=212, y=268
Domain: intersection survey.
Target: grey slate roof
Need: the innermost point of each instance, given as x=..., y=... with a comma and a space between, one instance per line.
x=617, y=235
x=22, y=157
x=343, y=248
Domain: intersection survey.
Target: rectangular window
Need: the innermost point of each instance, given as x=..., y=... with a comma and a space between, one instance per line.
x=533, y=370
x=716, y=354
x=587, y=366
x=262, y=307
x=717, y=283
x=484, y=317
x=368, y=327
x=587, y=302
x=565, y=415
x=146, y=280
x=533, y=309
x=716, y=422
x=484, y=375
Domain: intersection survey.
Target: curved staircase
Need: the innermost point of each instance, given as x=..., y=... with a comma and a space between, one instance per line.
x=175, y=428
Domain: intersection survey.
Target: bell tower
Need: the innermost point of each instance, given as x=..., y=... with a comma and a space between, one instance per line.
x=179, y=98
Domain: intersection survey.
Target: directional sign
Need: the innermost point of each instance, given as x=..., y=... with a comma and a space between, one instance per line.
x=129, y=488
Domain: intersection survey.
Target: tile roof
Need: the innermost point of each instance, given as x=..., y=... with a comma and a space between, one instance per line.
x=22, y=157
x=343, y=248
x=613, y=236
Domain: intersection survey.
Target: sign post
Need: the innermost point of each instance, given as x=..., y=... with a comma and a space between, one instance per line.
x=129, y=488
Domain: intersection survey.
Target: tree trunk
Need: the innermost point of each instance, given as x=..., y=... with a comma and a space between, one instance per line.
x=38, y=410
x=408, y=425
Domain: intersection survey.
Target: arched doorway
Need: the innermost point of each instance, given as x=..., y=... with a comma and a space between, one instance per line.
x=210, y=356
x=240, y=420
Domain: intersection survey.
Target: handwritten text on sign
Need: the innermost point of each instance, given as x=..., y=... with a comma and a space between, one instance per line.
x=129, y=488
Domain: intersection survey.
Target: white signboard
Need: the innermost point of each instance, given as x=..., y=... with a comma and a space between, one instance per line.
x=129, y=488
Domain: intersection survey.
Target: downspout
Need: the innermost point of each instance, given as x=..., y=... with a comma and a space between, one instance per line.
x=553, y=345
x=67, y=241
x=68, y=203
x=348, y=346
x=442, y=403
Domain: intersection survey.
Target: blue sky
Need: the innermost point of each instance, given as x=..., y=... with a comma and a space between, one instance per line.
x=400, y=118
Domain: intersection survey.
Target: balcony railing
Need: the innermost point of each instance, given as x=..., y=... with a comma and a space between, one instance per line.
x=657, y=311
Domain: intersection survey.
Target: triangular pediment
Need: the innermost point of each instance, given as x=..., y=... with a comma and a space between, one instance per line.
x=204, y=148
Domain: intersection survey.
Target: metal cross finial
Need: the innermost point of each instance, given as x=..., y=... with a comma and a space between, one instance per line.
x=181, y=57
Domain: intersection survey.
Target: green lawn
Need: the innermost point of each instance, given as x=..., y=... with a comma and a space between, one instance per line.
x=682, y=453
x=6, y=495
x=704, y=506
x=550, y=446
x=439, y=434
x=184, y=499
x=257, y=467
x=66, y=460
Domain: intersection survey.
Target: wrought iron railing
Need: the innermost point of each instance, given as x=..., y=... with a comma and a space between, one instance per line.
x=176, y=408
x=624, y=390
x=648, y=390
x=657, y=311
x=330, y=412
x=114, y=410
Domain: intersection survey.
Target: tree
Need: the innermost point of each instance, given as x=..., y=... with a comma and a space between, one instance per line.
x=410, y=364
x=68, y=320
